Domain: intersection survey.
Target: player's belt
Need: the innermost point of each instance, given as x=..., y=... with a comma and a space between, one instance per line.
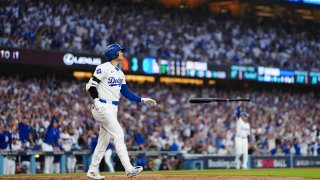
x=116, y=103
x=242, y=137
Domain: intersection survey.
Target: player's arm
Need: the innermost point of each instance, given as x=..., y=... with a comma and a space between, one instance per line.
x=128, y=94
x=131, y=96
x=238, y=112
x=56, y=139
x=98, y=75
x=31, y=138
x=92, y=85
x=53, y=119
x=10, y=141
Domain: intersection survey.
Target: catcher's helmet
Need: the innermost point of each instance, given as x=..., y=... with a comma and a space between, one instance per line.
x=111, y=51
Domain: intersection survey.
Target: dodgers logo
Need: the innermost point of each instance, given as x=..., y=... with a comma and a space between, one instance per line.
x=98, y=71
x=114, y=82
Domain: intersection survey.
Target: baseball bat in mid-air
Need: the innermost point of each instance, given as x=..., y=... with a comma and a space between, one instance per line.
x=208, y=100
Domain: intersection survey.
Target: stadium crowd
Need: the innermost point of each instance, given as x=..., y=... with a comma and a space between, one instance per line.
x=33, y=111
x=88, y=26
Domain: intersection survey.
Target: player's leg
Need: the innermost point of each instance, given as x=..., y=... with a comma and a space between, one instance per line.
x=107, y=159
x=11, y=166
x=5, y=168
x=114, y=128
x=26, y=164
x=48, y=160
x=69, y=161
x=103, y=141
x=50, y=164
x=13, y=170
x=117, y=133
x=56, y=168
x=245, y=153
x=46, y=167
x=238, y=152
x=73, y=162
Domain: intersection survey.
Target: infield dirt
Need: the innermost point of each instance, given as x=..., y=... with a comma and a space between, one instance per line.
x=148, y=177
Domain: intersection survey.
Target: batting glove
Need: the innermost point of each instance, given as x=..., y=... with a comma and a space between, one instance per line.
x=97, y=105
x=149, y=101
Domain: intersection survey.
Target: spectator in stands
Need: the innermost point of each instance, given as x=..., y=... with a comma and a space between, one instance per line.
x=92, y=140
x=141, y=160
x=296, y=147
x=138, y=137
x=4, y=139
x=25, y=159
x=277, y=151
x=174, y=146
x=51, y=141
x=24, y=130
x=6, y=145
x=176, y=34
x=222, y=151
x=276, y=114
x=165, y=163
x=66, y=144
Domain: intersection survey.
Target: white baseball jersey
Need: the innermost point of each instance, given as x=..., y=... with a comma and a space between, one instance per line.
x=66, y=141
x=16, y=146
x=243, y=128
x=111, y=80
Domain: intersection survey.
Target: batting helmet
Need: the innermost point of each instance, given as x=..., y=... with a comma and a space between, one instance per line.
x=244, y=114
x=111, y=51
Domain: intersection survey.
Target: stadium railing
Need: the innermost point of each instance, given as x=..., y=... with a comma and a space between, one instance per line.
x=190, y=161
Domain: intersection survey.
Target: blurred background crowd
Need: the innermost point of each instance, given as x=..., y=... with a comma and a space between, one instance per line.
x=282, y=122
x=87, y=26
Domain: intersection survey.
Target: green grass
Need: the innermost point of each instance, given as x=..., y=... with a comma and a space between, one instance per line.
x=309, y=173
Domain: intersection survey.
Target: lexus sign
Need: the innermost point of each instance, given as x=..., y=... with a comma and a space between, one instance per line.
x=70, y=59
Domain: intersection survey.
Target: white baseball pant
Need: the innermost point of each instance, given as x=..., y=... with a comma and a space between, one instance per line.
x=56, y=168
x=107, y=160
x=71, y=163
x=9, y=165
x=241, y=148
x=109, y=127
x=48, y=160
x=26, y=164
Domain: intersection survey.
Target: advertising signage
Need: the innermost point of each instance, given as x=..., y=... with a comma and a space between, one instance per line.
x=160, y=67
x=274, y=75
x=244, y=73
x=270, y=162
x=307, y=161
x=219, y=162
x=153, y=66
x=48, y=58
x=70, y=59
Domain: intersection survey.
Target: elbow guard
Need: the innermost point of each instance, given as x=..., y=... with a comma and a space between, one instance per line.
x=91, y=83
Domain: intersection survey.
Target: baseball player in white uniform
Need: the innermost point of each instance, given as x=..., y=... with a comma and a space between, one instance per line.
x=108, y=158
x=105, y=87
x=241, y=139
